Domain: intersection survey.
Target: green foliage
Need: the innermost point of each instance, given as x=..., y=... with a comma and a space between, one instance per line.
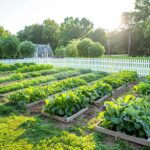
x=34, y=68
x=6, y=110
x=50, y=33
x=35, y=81
x=20, y=132
x=69, y=103
x=73, y=28
x=36, y=93
x=10, y=46
x=71, y=49
x=98, y=35
x=96, y=50
x=19, y=76
x=88, y=48
x=13, y=67
x=60, y=51
x=129, y=115
x=26, y=49
x=66, y=104
x=39, y=92
x=83, y=47
x=45, y=33
x=118, y=79
x=142, y=88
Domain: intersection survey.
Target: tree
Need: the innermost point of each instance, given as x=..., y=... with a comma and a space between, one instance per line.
x=4, y=32
x=26, y=49
x=73, y=29
x=142, y=10
x=87, y=48
x=96, y=50
x=31, y=33
x=83, y=47
x=10, y=46
x=71, y=48
x=45, y=33
x=118, y=41
x=128, y=22
x=1, y=47
x=98, y=35
x=50, y=33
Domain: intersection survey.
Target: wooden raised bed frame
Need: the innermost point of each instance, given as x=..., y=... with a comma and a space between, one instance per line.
x=123, y=136
x=68, y=119
x=96, y=103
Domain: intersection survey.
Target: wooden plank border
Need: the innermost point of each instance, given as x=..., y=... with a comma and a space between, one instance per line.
x=68, y=119
x=123, y=136
x=96, y=103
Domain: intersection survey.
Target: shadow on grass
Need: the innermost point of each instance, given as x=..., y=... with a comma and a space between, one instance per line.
x=35, y=131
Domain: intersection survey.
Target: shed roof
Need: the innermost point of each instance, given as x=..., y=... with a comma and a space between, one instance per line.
x=42, y=48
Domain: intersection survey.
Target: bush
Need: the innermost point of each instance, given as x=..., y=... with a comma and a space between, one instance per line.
x=88, y=48
x=71, y=49
x=96, y=50
x=60, y=51
x=26, y=49
x=10, y=46
x=83, y=47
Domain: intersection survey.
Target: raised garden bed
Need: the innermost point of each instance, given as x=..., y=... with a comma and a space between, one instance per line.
x=63, y=119
x=122, y=135
x=115, y=92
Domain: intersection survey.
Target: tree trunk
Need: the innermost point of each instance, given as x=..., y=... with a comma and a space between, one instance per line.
x=129, y=42
x=108, y=42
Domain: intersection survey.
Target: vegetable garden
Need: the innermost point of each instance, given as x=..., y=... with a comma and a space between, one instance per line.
x=46, y=107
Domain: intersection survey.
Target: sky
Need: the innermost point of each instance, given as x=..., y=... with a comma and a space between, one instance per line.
x=15, y=14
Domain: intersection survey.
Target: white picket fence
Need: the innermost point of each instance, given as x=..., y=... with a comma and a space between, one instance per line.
x=142, y=66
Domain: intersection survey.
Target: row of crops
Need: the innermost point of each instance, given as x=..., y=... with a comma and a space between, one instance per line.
x=67, y=91
x=129, y=114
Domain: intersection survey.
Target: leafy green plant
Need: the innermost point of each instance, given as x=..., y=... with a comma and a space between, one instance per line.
x=38, y=80
x=34, y=68
x=129, y=115
x=69, y=103
x=12, y=67
x=36, y=93
x=142, y=88
x=122, y=78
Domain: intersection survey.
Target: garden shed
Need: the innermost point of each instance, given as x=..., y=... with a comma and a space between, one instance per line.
x=43, y=51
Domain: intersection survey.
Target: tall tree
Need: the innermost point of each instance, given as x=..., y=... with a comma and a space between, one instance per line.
x=142, y=10
x=98, y=35
x=74, y=28
x=50, y=33
x=31, y=33
x=4, y=32
x=128, y=22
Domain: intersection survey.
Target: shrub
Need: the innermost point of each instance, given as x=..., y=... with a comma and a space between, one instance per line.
x=10, y=46
x=96, y=50
x=83, y=47
x=71, y=49
x=88, y=48
x=26, y=49
x=60, y=51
